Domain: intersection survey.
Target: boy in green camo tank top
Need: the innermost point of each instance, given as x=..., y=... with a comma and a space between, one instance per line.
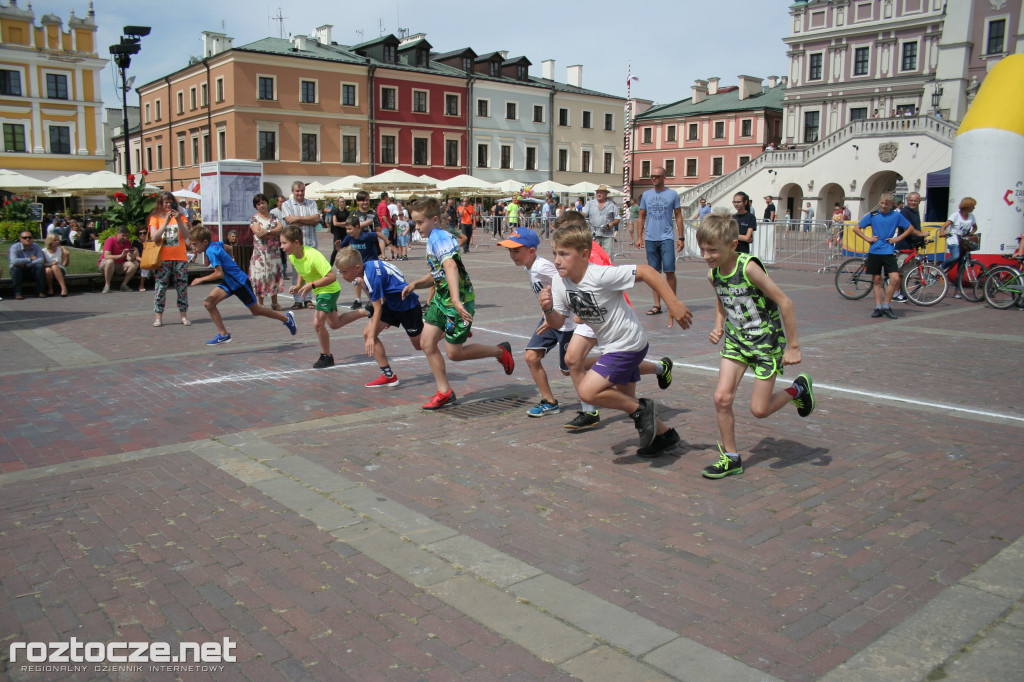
x=759, y=325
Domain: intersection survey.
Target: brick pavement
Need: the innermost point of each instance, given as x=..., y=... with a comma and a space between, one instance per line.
x=845, y=527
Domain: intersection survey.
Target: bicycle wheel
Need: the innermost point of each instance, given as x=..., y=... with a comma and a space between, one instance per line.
x=851, y=280
x=1003, y=287
x=971, y=280
x=925, y=285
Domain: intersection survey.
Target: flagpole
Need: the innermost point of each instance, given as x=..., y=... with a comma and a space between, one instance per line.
x=627, y=135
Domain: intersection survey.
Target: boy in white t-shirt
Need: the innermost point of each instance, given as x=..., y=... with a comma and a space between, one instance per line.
x=593, y=294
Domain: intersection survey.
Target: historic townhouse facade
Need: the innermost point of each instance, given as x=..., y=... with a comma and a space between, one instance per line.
x=587, y=135
x=714, y=131
x=51, y=111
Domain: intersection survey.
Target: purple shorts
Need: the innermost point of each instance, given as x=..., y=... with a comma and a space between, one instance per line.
x=621, y=368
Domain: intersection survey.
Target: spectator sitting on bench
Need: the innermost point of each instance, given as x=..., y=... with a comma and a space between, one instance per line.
x=57, y=259
x=118, y=257
x=26, y=256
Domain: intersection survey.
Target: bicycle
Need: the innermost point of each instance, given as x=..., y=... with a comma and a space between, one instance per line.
x=1004, y=285
x=923, y=283
x=970, y=278
x=852, y=282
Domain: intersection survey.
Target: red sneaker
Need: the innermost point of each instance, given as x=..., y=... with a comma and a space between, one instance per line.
x=508, y=363
x=383, y=381
x=440, y=400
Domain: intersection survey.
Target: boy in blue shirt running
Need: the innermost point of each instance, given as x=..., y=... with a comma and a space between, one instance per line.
x=384, y=284
x=236, y=283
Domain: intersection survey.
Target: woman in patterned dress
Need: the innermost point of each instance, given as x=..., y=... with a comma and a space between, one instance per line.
x=265, y=267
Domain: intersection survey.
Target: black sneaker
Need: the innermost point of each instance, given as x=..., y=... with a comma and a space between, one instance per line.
x=890, y=313
x=665, y=378
x=877, y=313
x=805, y=402
x=584, y=420
x=646, y=420
x=661, y=444
x=356, y=304
x=324, y=361
x=725, y=466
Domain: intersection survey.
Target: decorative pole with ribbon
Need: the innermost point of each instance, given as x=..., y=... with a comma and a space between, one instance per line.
x=627, y=134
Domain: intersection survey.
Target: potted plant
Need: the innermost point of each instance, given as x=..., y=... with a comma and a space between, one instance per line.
x=131, y=208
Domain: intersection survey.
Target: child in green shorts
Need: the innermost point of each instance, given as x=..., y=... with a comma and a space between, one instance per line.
x=450, y=314
x=316, y=274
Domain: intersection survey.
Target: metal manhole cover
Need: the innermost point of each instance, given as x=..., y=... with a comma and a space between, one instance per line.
x=485, y=408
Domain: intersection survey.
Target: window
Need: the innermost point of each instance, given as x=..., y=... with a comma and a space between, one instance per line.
x=482, y=153
x=585, y=162
x=451, y=152
x=266, y=89
x=181, y=152
x=149, y=158
x=307, y=92
x=510, y=111
x=608, y=163
x=522, y=73
x=348, y=95
x=205, y=90
x=483, y=108
x=563, y=117
x=267, y=145
x=390, y=54
x=744, y=160
x=648, y=135
x=693, y=131
x=219, y=84
x=587, y=119
x=563, y=160
x=538, y=113
x=349, y=149
x=10, y=83
x=995, y=43
x=181, y=102
x=858, y=113
x=909, y=61
x=56, y=86
x=645, y=169
x=719, y=130
x=506, y=156
x=195, y=151
x=747, y=128
x=207, y=149
x=451, y=105
x=670, y=168
x=192, y=98
x=60, y=140
x=811, y=119
x=420, y=151
x=531, y=158
x=159, y=157
x=670, y=134
x=814, y=73
x=148, y=117
x=860, y=61
x=716, y=165
x=609, y=121
x=388, y=99
x=387, y=149
x=691, y=168
x=158, y=116
x=467, y=64
x=222, y=147
x=419, y=101
x=307, y=145
x=495, y=70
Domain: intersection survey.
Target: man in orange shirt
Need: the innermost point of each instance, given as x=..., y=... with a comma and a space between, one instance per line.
x=465, y=211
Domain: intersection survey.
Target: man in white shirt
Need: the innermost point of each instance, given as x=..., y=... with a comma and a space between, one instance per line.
x=302, y=212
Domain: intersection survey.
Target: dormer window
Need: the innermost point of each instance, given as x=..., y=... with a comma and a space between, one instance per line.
x=467, y=64
x=496, y=69
x=522, y=72
x=421, y=57
x=389, y=54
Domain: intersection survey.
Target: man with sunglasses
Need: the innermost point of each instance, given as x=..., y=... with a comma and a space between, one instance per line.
x=26, y=256
x=660, y=230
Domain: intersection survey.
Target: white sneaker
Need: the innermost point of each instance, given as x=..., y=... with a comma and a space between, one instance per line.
x=106, y=289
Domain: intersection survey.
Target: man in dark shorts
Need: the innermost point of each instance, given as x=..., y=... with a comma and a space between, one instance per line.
x=885, y=223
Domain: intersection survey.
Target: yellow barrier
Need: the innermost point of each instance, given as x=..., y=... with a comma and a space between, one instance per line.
x=853, y=245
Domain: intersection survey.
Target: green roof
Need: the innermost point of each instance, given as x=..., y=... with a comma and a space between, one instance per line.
x=314, y=50
x=729, y=100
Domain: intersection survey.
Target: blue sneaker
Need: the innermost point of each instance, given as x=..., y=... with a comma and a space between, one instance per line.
x=290, y=323
x=219, y=339
x=544, y=407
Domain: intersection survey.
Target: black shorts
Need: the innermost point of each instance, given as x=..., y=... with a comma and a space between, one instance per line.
x=411, y=320
x=244, y=293
x=876, y=262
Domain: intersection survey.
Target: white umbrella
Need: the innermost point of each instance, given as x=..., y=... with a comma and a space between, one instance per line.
x=345, y=185
x=315, y=190
x=185, y=194
x=98, y=182
x=395, y=179
x=589, y=188
x=467, y=185
x=12, y=180
x=509, y=186
x=550, y=186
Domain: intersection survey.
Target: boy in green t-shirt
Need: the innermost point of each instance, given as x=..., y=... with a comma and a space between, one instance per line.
x=450, y=314
x=316, y=274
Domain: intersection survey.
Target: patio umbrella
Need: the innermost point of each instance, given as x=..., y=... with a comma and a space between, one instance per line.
x=100, y=182
x=590, y=188
x=315, y=190
x=346, y=185
x=550, y=186
x=11, y=180
x=467, y=185
x=185, y=194
x=509, y=186
x=396, y=180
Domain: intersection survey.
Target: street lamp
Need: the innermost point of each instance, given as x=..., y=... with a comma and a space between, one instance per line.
x=936, y=97
x=123, y=52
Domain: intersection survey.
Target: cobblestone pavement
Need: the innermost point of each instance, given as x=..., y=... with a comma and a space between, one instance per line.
x=158, y=490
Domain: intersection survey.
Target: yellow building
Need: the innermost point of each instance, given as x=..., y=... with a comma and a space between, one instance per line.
x=51, y=109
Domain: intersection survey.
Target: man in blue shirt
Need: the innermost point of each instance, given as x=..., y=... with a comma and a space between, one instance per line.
x=26, y=256
x=884, y=223
x=660, y=230
x=236, y=283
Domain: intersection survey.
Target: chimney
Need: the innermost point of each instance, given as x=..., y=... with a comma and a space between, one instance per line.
x=215, y=43
x=548, y=69
x=773, y=81
x=574, y=75
x=503, y=53
x=299, y=42
x=750, y=86
x=700, y=92
x=323, y=34
x=713, y=85
x=784, y=81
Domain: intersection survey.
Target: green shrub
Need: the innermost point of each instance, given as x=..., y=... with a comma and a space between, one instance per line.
x=10, y=229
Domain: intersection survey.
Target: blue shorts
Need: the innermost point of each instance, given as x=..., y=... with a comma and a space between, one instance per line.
x=403, y=240
x=549, y=340
x=661, y=255
x=621, y=368
x=244, y=293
